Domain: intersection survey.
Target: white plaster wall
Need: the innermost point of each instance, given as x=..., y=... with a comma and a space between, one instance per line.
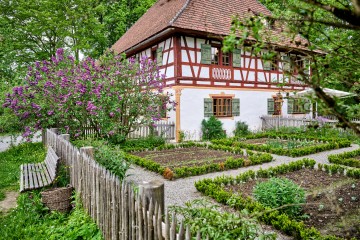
x=253, y=104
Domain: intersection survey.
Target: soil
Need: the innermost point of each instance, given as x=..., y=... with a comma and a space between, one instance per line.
x=193, y=156
x=262, y=141
x=9, y=201
x=332, y=202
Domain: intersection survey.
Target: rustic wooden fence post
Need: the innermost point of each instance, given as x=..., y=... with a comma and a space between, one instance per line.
x=153, y=190
x=88, y=150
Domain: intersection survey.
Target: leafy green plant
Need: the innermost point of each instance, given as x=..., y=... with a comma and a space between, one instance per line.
x=31, y=220
x=280, y=193
x=205, y=217
x=241, y=129
x=112, y=158
x=212, y=129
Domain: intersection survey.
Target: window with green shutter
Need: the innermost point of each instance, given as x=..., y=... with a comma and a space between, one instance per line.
x=235, y=107
x=236, y=58
x=208, y=107
x=205, y=53
x=285, y=60
x=299, y=106
x=270, y=106
x=290, y=106
x=159, y=56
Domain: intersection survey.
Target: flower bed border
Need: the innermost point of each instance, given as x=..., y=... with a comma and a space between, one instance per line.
x=214, y=188
x=346, y=158
x=329, y=144
x=180, y=172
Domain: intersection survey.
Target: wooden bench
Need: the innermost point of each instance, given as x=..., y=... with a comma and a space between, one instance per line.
x=37, y=175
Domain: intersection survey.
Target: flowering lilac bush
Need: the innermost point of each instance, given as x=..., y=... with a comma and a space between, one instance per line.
x=113, y=96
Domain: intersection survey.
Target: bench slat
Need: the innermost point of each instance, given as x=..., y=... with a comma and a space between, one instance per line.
x=31, y=180
x=46, y=177
x=26, y=176
x=21, y=178
x=39, y=174
x=34, y=176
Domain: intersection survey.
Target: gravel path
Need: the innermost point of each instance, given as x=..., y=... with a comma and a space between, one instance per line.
x=182, y=190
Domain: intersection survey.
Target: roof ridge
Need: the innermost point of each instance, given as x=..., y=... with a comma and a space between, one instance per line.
x=180, y=12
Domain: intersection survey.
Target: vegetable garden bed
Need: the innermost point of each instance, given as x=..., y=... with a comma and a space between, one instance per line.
x=189, y=159
x=332, y=205
x=351, y=159
x=285, y=144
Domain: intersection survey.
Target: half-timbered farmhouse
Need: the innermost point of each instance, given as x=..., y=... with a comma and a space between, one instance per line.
x=185, y=38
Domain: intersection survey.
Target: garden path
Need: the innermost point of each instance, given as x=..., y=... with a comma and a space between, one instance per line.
x=182, y=190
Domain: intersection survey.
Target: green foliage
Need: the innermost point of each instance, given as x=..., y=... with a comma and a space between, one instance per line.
x=143, y=143
x=212, y=129
x=279, y=192
x=321, y=144
x=347, y=158
x=31, y=220
x=112, y=158
x=206, y=218
x=10, y=161
x=241, y=129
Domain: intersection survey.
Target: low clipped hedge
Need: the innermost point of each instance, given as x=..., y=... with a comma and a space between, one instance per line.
x=214, y=188
x=325, y=144
x=180, y=172
x=347, y=158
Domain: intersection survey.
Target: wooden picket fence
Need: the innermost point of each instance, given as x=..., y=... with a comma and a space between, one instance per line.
x=117, y=209
x=269, y=122
x=162, y=128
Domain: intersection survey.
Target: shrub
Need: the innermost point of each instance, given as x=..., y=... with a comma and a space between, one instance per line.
x=113, y=160
x=204, y=217
x=212, y=129
x=241, y=129
x=278, y=192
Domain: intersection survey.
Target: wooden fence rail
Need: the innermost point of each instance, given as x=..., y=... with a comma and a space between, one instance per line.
x=118, y=210
x=162, y=128
x=269, y=122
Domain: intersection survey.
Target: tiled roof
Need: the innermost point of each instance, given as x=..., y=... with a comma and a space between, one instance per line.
x=211, y=16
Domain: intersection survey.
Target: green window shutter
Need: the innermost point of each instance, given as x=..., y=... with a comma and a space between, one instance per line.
x=307, y=106
x=285, y=59
x=208, y=107
x=270, y=106
x=290, y=106
x=236, y=57
x=205, y=54
x=306, y=66
x=159, y=56
x=267, y=65
x=235, y=107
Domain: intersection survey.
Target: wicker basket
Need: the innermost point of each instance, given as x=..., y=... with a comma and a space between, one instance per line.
x=58, y=199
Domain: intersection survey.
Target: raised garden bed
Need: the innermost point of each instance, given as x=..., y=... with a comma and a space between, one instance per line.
x=285, y=144
x=189, y=159
x=351, y=159
x=332, y=199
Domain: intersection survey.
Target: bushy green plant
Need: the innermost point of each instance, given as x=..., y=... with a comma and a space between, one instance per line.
x=212, y=129
x=112, y=158
x=241, y=129
x=143, y=143
x=31, y=220
x=279, y=192
x=214, y=224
